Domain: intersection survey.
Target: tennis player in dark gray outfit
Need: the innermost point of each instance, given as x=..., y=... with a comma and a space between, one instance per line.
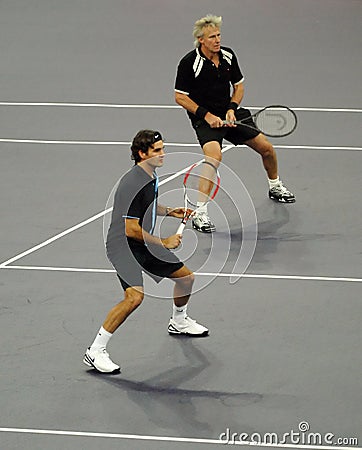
x=133, y=249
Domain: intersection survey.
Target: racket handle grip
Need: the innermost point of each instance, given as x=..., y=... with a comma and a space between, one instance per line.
x=181, y=228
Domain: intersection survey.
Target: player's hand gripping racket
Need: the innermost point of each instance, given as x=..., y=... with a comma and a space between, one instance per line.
x=201, y=184
x=274, y=121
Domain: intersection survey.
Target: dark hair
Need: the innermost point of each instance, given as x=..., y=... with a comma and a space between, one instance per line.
x=143, y=140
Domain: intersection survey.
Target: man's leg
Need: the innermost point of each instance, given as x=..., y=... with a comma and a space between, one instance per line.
x=201, y=221
x=96, y=355
x=269, y=157
x=277, y=191
x=180, y=323
x=133, y=297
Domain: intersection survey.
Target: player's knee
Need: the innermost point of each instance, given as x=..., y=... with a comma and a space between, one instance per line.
x=186, y=282
x=217, y=155
x=213, y=150
x=268, y=151
x=133, y=298
x=190, y=279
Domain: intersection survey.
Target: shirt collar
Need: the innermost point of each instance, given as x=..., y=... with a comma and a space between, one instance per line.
x=199, y=53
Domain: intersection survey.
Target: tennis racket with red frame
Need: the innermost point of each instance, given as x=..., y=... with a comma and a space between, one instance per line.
x=201, y=184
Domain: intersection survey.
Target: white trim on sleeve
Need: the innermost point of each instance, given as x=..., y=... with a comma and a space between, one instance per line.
x=182, y=92
x=239, y=82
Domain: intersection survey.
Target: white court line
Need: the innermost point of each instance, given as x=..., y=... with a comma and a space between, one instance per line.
x=174, y=144
x=54, y=238
x=140, y=106
x=59, y=269
x=140, y=437
x=317, y=147
x=45, y=141
x=90, y=105
x=87, y=221
x=200, y=274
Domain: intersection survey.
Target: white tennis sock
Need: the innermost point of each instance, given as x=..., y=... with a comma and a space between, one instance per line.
x=101, y=339
x=203, y=208
x=179, y=313
x=273, y=183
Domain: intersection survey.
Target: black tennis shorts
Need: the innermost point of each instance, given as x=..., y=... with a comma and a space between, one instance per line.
x=158, y=262
x=236, y=136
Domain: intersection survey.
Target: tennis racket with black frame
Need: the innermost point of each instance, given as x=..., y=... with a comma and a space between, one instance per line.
x=273, y=121
x=201, y=177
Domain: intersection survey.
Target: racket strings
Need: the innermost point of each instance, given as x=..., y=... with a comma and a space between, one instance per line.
x=201, y=184
x=276, y=121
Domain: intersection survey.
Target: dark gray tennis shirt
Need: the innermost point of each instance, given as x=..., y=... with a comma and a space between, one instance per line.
x=135, y=198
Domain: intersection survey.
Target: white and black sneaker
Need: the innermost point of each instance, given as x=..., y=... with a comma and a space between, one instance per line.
x=100, y=360
x=187, y=327
x=281, y=194
x=202, y=222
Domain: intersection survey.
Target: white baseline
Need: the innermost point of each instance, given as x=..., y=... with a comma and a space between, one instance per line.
x=140, y=106
x=174, y=144
x=200, y=274
x=139, y=437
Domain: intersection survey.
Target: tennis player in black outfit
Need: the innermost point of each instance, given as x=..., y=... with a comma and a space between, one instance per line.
x=209, y=85
x=132, y=248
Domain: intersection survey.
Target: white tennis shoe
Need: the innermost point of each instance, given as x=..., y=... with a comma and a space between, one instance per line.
x=281, y=194
x=202, y=222
x=100, y=360
x=187, y=327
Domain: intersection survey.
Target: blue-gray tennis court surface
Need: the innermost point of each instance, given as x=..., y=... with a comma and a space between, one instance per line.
x=282, y=364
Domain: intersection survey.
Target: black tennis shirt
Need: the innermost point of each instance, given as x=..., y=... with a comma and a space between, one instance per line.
x=207, y=85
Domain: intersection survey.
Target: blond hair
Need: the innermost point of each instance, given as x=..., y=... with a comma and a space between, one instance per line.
x=208, y=21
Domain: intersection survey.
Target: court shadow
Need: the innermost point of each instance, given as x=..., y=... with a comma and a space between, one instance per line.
x=268, y=233
x=281, y=228
x=278, y=216
x=187, y=411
